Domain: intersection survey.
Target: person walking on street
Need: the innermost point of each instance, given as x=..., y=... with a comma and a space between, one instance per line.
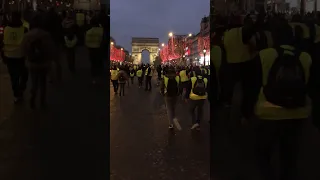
x=93, y=40
x=169, y=87
x=70, y=43
x=114, y=79
x=196, y=92
x=122, y=78
x=39, y=47
x=139, y=75
x=148, y=75
x=13, y=57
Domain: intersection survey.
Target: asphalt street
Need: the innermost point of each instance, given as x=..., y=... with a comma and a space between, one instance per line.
x=64, y=141
x=142, y=146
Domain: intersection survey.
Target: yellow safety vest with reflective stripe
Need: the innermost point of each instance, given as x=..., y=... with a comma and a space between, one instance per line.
x=25, y=24
x=183, y=76
x=94, y=37
x=132, y=74
x=305, y=29
x=70, y=43
x=80, y=19
x=139, y=73
x=12, y=41
x=209, y=72
x=193, y=96
x=135, y=67
x=236, y=51
x=166, y=80
x=268, y=111
x=114, y=75
x=147, y=70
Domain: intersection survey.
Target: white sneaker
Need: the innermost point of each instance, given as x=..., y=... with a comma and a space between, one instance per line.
x=177, y=124
x=196, y=125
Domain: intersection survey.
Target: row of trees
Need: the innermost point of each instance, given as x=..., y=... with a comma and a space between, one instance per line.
x=117, y=54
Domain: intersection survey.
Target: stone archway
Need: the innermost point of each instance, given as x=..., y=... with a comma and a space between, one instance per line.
x=139, y=44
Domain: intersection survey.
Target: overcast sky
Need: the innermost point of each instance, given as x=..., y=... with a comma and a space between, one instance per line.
x=155, y=18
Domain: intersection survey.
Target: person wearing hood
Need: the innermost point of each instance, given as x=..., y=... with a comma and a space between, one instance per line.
x=13, y=57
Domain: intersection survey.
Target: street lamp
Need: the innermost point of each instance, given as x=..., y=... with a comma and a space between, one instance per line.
x=204, y=56
x=170, y=34
x=121, y=49
x=162, y=44
x=190, y=35
x=111, y=43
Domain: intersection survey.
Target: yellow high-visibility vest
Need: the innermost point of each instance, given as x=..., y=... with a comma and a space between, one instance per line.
x=131, y=74
x=183, y=76
x=166, y=80
x=94, y=37
x=12, y=41
x=139, y=73
x=114, y=75
x=70, y=43
x=193, y=96
x=80, y=19
x=25, y=24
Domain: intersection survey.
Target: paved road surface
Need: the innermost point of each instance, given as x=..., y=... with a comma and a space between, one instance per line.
x=142, y=147
x=60, y=142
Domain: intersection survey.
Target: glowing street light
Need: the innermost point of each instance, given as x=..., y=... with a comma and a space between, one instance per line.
x=190, y=35
x=204, y=56
x=162, y=44
x=170, y=34
x=112, y=43
x=121, y=49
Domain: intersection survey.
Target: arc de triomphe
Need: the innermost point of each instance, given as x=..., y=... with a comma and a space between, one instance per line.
x=139, y=44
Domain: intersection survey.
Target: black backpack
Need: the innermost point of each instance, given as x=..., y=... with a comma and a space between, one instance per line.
x=286, y=84
x=199, y=87
x=172, y=87
x=121, y=77
x=36, y=52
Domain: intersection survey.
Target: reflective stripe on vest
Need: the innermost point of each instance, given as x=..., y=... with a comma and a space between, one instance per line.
x=26, y=24
x=94, y=37
x=131, y=74
x=114, y=74
x=183, y=76
x=139, y=73
x=166, y=80
x=209, y=72
x=80, y=19
x=236, y=51
x=12, y=41
x=70, y=43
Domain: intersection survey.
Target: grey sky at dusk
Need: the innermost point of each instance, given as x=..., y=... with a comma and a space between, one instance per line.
x=154, y=18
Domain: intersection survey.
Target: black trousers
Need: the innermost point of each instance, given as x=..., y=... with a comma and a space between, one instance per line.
x=148, y=83
x=96, y=61
x=18, y=75
x=132, y=78
x=71, y=59
x=122, y=85
x=285, y=132
x=140, y=81
x=115, y=85
x=233, y=74
x=38, y=82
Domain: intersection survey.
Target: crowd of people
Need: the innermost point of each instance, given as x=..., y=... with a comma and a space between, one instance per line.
x=274, y=62
x=191, y=83
x=35, y=43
